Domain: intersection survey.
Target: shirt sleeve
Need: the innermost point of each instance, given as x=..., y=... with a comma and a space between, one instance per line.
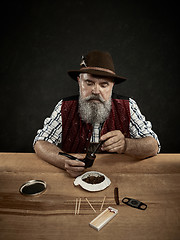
x=139, y=127
x=52, y=129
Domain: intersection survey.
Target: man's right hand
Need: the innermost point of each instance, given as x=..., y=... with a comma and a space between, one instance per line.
x=75, y=167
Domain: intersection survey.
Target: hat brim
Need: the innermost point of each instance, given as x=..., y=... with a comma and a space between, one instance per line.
x=117, y=79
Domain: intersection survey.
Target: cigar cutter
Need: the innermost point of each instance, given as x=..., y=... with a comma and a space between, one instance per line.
x=134, y=203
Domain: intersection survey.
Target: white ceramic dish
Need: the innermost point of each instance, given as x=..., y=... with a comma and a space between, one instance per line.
x=92, y=187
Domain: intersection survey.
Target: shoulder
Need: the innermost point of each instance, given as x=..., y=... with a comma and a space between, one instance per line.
x=70, y=102
x=133, y=105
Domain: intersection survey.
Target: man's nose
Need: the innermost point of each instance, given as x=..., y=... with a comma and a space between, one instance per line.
x=96, y=89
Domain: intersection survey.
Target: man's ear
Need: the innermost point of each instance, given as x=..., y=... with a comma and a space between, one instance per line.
x=78, y=79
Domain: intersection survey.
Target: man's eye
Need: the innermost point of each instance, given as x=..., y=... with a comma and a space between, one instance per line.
x=104, y=85
x=89, y=83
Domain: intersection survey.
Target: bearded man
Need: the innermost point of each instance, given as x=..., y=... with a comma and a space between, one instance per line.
x=78, y=123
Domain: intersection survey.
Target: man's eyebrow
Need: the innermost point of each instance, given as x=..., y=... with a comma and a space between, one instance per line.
x=104, y=82
x=101, y=82
x=87, y=79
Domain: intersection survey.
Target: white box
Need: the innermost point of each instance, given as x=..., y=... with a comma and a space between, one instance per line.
x=102, y=219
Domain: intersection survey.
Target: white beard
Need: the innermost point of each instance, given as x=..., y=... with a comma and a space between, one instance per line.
x=94, y=112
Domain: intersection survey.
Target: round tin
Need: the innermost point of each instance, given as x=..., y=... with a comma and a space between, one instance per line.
x=33, y=188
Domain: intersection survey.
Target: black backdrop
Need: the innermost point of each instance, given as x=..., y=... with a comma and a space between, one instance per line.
x=41, y=40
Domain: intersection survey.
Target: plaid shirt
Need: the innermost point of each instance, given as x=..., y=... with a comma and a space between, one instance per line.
x=52, y=129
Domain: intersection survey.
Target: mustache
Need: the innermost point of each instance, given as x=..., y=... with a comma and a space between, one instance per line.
x=95, y=97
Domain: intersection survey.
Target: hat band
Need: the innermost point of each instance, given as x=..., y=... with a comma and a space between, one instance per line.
x=98, y=68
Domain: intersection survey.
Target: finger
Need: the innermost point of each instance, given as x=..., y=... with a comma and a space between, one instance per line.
x=107, y=136
x=74, y=163
x=115, y=149
x=79, y=156
x=117, y=139
x=110, y=134
x=112, y=146
x=114, y=142
x=75, y=169
x=111, y=141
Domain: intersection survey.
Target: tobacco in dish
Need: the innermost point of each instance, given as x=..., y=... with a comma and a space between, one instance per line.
x=94, y=179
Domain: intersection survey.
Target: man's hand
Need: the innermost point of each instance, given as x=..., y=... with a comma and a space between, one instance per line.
x=114, y=142
x=75, y=167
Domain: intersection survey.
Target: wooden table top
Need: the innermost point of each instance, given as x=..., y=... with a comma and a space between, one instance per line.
x=154, y=181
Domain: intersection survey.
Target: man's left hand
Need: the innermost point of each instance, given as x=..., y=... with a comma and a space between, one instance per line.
x=114, y=142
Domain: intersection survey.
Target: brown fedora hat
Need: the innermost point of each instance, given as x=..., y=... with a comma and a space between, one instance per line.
x=97, y=63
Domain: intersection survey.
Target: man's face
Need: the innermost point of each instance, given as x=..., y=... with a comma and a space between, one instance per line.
x=95, y=85
x=95, y=98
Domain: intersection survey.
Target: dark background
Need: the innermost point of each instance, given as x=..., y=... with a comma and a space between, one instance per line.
x=41, y=40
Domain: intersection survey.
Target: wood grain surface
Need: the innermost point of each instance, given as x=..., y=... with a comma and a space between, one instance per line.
x=51, y=215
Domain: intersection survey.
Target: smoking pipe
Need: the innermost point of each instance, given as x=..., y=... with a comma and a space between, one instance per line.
x=89, y=158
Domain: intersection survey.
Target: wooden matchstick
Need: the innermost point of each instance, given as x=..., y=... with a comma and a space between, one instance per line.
x=90, y=205
x=76, y=206
x=102, y=218
x=79, y=206
x=102, y=203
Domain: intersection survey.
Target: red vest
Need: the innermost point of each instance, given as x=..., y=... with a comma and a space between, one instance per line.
x=76, y=134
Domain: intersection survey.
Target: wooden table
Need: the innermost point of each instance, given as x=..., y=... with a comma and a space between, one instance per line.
x=154, y=181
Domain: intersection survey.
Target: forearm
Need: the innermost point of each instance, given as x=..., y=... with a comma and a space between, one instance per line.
x=141, y=148
x=49, y=153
